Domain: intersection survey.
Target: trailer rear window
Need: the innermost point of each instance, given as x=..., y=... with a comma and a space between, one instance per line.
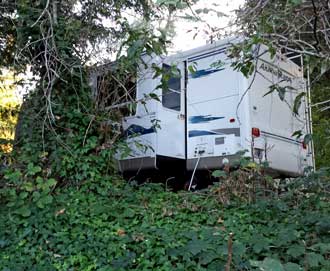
x=171, y=96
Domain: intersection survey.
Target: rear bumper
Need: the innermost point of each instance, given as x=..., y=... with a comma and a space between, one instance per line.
x=137, y=164
x=207, y=163
x=173, y=166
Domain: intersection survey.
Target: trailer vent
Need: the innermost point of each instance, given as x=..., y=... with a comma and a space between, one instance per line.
x=219, y=141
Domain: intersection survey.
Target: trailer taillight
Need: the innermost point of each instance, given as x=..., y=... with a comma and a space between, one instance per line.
x=232, y=120
x=304, y=145
x=255, y=132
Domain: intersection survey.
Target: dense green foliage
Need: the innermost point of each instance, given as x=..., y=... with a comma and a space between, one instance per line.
x=63, y=127
x=70, y=148
x=120, y=226
x=321, y=122
x=9, y=108
x=62, y=207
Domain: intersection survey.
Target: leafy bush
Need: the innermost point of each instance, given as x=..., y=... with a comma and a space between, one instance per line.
x=321, y=115
x=247, y=182
x=114, y=225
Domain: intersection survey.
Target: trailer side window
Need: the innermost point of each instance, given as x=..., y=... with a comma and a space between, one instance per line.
x=171, y=96
x=119, y=97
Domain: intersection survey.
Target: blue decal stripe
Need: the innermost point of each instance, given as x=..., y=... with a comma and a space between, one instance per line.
x=223, y=132
x=202, y=73
x=201, y=119
x=138, y=130
x=194, y=133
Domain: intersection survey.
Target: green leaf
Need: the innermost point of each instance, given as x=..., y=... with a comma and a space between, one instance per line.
x=281, y=92
x=36, y=196
x=28, y=186
x=297, y=134
x=272, y=51
x=51, y=182
x=48, y=199
x=308, y=138
x=196, y=246
x=324, y=67
x=154, y=96
x=268, y=264
x=239, y=248
x=14, y=176
x=272, y=88
x=32, y=170
x=272, y=265
x=297, y=103
x=322, y=247
x=269, y=92
x=218, y=173
x=314, y=259
x=207, y=257
x=192, y=68
x=296, y=2
x=39, y=180
x=24, y=211
x=44, y=200
x=292, y=267
x=260, y=243
x=296, y=251
x=218, y=64
x=123, y=261
x=40, y=204
x=23, y=195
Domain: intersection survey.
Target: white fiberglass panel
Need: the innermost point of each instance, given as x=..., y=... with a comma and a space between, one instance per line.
x=212, y=98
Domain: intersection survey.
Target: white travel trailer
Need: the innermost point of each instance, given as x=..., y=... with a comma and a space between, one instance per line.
x=210, y=113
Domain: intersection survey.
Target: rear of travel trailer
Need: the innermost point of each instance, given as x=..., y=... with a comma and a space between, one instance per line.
x=209, y=112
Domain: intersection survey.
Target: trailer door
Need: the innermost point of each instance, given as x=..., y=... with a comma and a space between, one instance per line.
x=171, y=135
x=213, y=131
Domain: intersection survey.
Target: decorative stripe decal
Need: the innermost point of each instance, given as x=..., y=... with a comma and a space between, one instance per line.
x=203, y=73
x=225, y=131
x=195, y=133
x=138, y=130
x=203, y=118
x=194, y=58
